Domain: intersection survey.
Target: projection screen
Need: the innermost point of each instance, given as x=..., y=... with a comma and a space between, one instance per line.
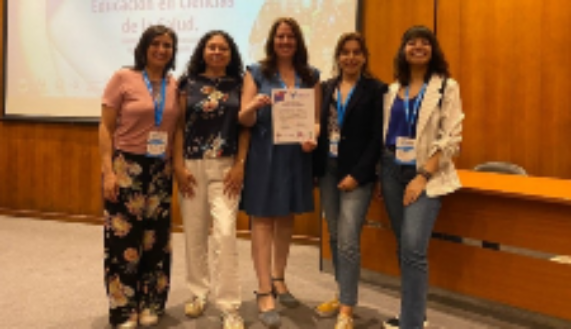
x=59, y=54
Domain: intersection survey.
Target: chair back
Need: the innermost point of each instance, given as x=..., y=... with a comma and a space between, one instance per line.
x=501, y=168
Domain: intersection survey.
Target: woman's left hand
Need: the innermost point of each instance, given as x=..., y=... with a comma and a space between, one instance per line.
x=413, y=190
x=308, y=146
x=348, y=184
x=233, y=181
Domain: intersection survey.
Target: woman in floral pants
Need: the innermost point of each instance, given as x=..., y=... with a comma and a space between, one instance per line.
x=137, y=237
x=138, y=119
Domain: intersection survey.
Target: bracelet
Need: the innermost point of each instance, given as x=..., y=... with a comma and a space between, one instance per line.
x=424, y=173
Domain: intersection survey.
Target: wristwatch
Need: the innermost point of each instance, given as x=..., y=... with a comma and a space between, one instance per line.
x=424, y=173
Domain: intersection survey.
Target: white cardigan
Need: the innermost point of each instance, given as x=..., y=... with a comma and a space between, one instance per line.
x=438, y=128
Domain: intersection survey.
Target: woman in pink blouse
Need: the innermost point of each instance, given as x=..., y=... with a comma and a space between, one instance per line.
x=138, y=119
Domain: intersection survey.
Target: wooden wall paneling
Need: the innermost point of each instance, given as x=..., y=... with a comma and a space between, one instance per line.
x=377, y=212
x=9, y=155
x=448, y=34
x=72, y=178
x=91, y=171
x=306, y=226
x=50, y=168
x=516, y=222
x=42, y=156
x=533, y=284
x=510, y=58
x=243, y=222
x=95, y=204
x=385, y=23
x=56, y=168
x=176, y=216
x=554, y=112
x=519, y=66
x=5, y=179
x=477, y=69
x=378, y=248
x=23, y=183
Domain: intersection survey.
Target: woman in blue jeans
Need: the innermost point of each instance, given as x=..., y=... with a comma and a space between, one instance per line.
x=345, y=159
x=422, y=131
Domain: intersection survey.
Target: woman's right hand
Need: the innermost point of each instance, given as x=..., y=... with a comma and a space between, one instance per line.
x=110, y=187
x=259, y=101
x=185, y=181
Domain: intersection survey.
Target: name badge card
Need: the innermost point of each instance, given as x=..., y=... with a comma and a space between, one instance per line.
x=157, y=144
x=334, y=138
x=405, y=151
x=293, y=115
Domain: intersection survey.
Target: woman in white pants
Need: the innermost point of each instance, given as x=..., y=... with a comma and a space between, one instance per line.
x=210, y=149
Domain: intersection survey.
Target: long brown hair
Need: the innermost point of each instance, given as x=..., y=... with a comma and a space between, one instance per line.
x=300, y=58
x=344, y=38
x=145, y=41
x=196, y=65
x=437, y=64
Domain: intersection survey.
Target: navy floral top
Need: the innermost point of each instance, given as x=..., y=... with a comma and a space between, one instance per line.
x=211, y=127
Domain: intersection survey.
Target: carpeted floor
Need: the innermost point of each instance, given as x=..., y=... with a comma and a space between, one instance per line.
x=51, y=277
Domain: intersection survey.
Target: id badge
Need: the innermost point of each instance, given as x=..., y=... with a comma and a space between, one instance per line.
x=405, y=152
x=334, y=144
x=157, y=144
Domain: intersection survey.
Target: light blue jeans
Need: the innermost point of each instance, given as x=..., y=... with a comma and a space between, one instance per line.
x=412, y=226
x=345, y=215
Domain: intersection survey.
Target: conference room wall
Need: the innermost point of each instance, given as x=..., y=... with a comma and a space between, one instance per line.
x=509, y=57
x=52, y=170
x=511, y=60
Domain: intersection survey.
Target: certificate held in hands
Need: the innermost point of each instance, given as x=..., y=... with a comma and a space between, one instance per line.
x=293, y=115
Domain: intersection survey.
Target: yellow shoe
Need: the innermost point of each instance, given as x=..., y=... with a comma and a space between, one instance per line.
x=195, y=307
x=328, y=309
x=344, y=321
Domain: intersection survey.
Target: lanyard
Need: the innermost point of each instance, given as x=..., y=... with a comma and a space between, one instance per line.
x=342, y=107
x=411, y=116
x=297, y=82
x=159, y=104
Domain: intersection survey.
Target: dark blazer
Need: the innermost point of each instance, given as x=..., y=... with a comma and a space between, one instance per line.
x=361, y=135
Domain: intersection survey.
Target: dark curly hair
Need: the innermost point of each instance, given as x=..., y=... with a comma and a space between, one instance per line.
x=196, y=64
x=344, y=38
x=145, y=41
x=437, y=65
x=300, y=58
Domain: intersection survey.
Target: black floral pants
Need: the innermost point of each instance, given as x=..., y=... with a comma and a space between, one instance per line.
x=137, y=237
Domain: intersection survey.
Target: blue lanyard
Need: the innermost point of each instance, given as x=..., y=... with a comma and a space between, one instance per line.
x=297, y=81
x=411, y=116
x=342, y=106
x=160, y=104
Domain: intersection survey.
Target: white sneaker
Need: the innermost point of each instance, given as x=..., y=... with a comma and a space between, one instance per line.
x=129, y=324
x=148, y=318
x=195, y=307
x=394, y=323
x=232, y=321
